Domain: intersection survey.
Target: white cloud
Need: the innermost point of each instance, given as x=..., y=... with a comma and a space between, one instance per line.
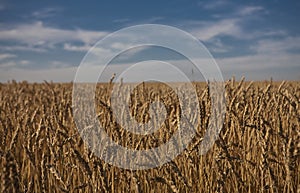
x=275, y=47
x=232, y=25
x=81, y=48
x=154, y=19
x=210, y=30
x=7, y=56
x=131, y=52
x=109, y=50
x=272, y=57
x=8, y=60
x=23, y=48
x=6, y=65
x=59, y=64
x=213, y=4
x=248, y=10
x=37, y=34
x=46, y=12
x=217, y=46
x=24, y=62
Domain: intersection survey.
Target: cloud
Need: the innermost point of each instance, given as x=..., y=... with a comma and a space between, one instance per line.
x=210, y=30
x=261, y=66
x=38, y=35
x=59, y=64
x=7, y=56
x=232, y=25
x=6, y=65
x=131, y=53
x=127, y=49
x=215, y=45
x=10, y=60
x=24, y=62
x=278, y=46
x=46, y=12
x=271, y=49
x=271, y=58
x=248, y=10
x=213, y=4
x=76, y=48
x=30, y=48
x=237, y=10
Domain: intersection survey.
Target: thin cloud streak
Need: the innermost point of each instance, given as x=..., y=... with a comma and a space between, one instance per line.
x=229, y=26
x=7, y=56
x=37, y=34
x=213, y=4
x=211, y=30
x=46, y=12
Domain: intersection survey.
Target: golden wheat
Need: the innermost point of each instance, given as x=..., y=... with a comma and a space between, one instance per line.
x=258, y=149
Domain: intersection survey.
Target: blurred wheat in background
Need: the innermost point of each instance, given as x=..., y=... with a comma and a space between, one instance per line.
x=257, y=150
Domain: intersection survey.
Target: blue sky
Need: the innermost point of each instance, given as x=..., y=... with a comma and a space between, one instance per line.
x=47, y=40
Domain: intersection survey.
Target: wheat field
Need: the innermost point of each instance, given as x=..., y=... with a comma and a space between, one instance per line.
x=258, y=149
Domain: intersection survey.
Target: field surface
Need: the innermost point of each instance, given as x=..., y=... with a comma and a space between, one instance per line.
x=258, y=148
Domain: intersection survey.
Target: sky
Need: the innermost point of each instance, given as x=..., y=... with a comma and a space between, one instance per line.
x=47, y=40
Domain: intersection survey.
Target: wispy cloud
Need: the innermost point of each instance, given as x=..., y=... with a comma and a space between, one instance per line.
x=233, y=25
x=59, y=64
x=7, y=56
x=8, y=60
x=131, y=53
x=30, y=48
x=277, y=46
x=248, y=10
x=38, y=35
x=47, y=12
x=7, y=65
x=213, y=4
x=209, y=30
x=77, y=48
x=217, y=46
x=154, y=19
x=271, y=57
x=24, y=62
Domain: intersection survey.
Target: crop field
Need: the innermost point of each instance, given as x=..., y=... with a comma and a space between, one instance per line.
x=258, y=148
